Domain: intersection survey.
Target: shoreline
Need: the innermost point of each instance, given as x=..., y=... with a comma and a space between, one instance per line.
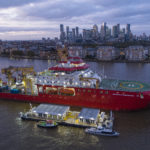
x=85, y=59
x=118, y=61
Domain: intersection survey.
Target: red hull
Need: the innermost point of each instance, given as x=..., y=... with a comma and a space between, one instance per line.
x=94, y=98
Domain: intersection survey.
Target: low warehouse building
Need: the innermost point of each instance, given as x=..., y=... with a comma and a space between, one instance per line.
x=51, y=111
x=89, y=115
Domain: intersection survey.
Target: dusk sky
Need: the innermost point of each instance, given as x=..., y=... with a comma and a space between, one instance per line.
x=34, y=19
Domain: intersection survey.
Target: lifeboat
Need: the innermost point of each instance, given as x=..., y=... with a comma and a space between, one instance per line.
x=51, y=91
x=67, y=91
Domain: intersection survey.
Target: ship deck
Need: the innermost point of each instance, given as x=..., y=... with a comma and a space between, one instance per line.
x=124, y=85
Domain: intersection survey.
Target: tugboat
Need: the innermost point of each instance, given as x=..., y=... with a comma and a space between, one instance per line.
x=102, y=131
x=106, y=128
x=47, y=124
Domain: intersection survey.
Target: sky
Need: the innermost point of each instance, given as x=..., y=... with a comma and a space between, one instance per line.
x=34, y=19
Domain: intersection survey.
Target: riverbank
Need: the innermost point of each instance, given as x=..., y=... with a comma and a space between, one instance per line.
x=118, y=61
x=85, y=59
x=27, y=57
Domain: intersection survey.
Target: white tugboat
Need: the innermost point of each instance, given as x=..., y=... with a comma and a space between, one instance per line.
x=102, y=131
x=105, y=129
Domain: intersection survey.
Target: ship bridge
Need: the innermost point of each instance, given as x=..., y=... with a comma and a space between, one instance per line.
x=84, y=79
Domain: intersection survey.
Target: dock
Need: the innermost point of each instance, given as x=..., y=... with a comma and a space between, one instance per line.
x=87, y=117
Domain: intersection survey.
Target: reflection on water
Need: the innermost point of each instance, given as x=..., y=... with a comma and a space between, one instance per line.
x=134, y=127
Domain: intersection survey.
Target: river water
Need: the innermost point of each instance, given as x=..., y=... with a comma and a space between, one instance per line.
x=134, y=127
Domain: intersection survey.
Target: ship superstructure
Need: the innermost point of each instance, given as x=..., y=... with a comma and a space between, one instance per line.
x=69, y=75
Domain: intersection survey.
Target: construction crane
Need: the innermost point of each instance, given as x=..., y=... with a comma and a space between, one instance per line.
x=62, y=53
x=24, y=70
x=8, y=72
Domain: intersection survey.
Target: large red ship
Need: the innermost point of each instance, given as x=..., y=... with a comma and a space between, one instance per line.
x=71, y=82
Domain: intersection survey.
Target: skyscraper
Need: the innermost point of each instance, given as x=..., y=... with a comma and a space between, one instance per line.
x=115, y=31
x=95, y=28
x=103, y=30
x=87, y=34
x=77, y=32
x=61, y=28
x=108, y=33
x=123, y=30
x=128, y=31
x=62, y=33
x=67, y=33
x=73, y=34
x=95, y=31
x=118, y=29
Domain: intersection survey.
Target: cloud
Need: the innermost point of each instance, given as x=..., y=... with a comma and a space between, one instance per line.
x=43, y=15
x=15, y=29
x=14, y=3
x=60, y=9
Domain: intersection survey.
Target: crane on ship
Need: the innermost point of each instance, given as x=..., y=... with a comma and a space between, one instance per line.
x=62, y=53
x=9, y=71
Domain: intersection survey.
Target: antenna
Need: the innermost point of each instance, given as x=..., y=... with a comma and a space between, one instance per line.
x=30, y=106
x=104, y=76
x=103, y=70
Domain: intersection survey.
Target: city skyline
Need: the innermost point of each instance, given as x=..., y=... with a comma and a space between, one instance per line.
x=34, y=19
x=95, y=34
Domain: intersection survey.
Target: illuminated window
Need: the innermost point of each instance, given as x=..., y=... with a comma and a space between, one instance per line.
x=141, y=96
x=40, y=89
x=101, y=92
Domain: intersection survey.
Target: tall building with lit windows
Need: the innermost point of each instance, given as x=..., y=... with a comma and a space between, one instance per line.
x=95, y=31
x=67, y=33
x=77, y=32
x=62, y=33
x=118, y=29
x=128, y=30
x=103, y=30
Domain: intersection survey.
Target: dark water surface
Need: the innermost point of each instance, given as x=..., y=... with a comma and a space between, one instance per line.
x=134, y=127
